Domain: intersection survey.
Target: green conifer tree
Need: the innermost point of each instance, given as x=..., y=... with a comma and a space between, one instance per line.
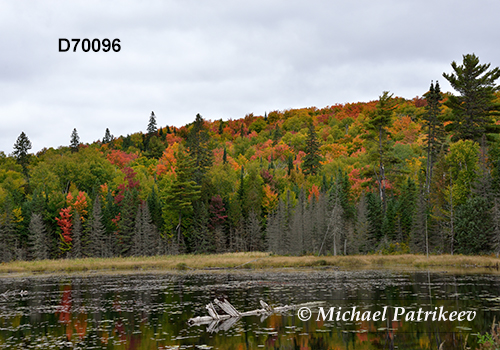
x=184, y=190
x=21, y=148
x=197, y=143
x=311, y=162
x=107, y=137
x=75, y=141
x=474, y=108
x=378, y=123
x=434, y=129
x=152, y=128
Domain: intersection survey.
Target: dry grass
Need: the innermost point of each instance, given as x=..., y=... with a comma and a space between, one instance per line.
x=253, y=260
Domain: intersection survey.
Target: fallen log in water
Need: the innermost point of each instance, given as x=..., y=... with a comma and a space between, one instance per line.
x=231, y=315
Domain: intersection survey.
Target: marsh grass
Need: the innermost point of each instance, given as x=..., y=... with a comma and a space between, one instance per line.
x=251, y=260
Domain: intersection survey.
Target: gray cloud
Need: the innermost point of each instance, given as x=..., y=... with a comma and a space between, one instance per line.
x=222, y=59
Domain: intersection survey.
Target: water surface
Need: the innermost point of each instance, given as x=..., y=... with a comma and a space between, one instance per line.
x=150, y=311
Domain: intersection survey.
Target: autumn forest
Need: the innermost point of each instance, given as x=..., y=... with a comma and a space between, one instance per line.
x=388, y=176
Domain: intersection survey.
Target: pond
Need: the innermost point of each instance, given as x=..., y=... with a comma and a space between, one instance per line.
x=151, y=311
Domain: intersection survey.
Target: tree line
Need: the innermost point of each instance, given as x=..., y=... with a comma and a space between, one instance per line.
x=390, y=176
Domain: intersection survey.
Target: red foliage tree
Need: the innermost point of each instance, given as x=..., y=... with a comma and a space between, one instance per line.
x=65, y=223
x=120, y=158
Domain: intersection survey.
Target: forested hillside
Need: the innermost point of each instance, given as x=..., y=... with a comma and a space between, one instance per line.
x=391, y=175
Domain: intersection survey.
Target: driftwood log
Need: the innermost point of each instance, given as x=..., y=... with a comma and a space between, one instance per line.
x=224, y=321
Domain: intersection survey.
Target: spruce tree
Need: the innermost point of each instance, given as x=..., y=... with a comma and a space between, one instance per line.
x=126, y=225
x=224, y=156
x=75, y=141
x=297, y=227
x=311, y=162
x=155, y=207
x=375, y=217
x=152, y=128
x=107, y=137
x=406, y=209
x=77, y=233
x=184, y=190
x=253, y=232
x=336, y=220
x=495, y=228
x=419, y=237
x=197, y=143
x=362, y=242
x=473, y=227
x=474, y=108
x=38, y=237
x=7, y=234
x=198, y=237
x=273, y=232
x=21, y=148
x=96, y=246
x=138, y=237
x=277, y=134
x=221, y=127
x=150, y=232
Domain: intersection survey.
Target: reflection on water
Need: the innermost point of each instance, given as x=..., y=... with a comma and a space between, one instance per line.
x=151, y=311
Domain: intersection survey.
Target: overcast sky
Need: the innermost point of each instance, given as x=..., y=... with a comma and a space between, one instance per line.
x=222, y=59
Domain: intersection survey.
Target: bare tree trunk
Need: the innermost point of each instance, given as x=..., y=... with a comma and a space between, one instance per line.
x=451, y=216
x=382, y=172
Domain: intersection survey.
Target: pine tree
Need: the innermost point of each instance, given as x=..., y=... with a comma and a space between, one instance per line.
x=434, y=130
x=21, y=148
x=75, y=141
x=378, y=125
x=38, y=237
x=474, y=108
x=152, y=128
x=311, y=162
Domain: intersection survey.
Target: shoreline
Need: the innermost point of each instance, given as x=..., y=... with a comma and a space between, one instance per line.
x=249, y=261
